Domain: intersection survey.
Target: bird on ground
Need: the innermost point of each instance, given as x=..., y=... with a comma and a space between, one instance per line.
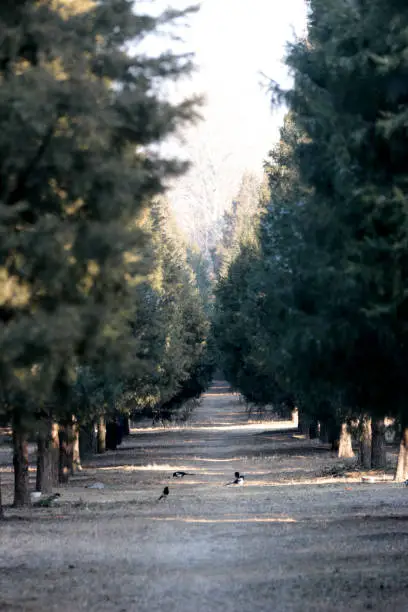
x=47, y=502
x=181, y=474
x=164, y=494
x=238, y=480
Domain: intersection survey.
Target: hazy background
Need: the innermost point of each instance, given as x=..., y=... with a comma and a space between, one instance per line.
x=234, y=42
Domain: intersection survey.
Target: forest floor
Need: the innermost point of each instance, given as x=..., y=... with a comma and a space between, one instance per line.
x=291, y=540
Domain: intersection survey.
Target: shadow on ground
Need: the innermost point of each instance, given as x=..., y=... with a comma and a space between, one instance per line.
x=288, y=541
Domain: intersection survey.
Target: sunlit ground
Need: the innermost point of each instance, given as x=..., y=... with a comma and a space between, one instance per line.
x=227, y=426
x=290, y=540
x=262, y=519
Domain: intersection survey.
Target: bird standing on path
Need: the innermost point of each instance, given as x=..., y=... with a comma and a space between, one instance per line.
x=47, y=502
x=164, y=494
x=181, y=474
x=238, y=480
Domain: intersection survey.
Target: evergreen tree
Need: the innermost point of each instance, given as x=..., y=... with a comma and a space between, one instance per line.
x=350, y=99
x=238, y=223
x=172, y=363
x=185, y=325
x=78, y=115
x=335, y=232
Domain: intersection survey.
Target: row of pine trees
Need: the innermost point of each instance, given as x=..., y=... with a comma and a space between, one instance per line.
x=312, y=311
x=100, y=310
x=104, y=310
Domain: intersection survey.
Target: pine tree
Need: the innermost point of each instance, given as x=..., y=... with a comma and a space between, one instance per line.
x=78, y=115
x=238, y=223
x=348, y=99
x=171, y=363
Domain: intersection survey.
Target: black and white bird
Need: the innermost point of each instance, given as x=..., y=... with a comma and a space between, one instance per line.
x=238, y=480
x=164, y=494
x=181, y=474
x=47, y=502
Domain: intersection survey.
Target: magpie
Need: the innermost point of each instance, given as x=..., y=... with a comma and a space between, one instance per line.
x=47, y=502
x=181, y=474
x=164, y=494
x=238, y=480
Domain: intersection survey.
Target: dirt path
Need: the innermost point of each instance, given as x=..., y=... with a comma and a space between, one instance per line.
x=287, y=541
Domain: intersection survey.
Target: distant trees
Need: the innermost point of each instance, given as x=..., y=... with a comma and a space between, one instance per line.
x=200, y=197
x=167, y=360
x=79, y=115
x=321, y=314
x=175, y=326
x=238, y=222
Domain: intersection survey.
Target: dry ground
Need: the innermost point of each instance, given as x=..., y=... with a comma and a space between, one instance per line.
x=290, y=540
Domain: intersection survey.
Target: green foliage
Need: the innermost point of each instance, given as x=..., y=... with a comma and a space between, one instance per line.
x=184, y=324
x=238, y=223
x=203, y=276
x=327, y=289
x=80, y=117
x=169, y=360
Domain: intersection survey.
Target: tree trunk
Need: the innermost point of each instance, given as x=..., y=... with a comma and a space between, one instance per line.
x=47, y=460
x=334, y=434
x=111, y=435
x=20, y=462
x=43, y=481
x=314, y=429
x=365, y=443
x=378, y=456
x=324, y=433
x=401, y=473
x=87, y=440
x=65, y=453
x=76, y=458
x=101, y=446
x=304, y=425
x=345, y=447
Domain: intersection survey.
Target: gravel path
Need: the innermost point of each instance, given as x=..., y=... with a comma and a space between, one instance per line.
x=290, y=540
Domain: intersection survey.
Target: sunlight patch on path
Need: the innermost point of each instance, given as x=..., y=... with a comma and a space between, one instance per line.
x=149, y=467
x=263, y=519
x=228, y=427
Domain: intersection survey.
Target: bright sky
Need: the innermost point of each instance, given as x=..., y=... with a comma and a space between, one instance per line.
x=234, y=42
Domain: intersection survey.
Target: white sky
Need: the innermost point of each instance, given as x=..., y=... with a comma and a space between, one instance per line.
x=234, y=41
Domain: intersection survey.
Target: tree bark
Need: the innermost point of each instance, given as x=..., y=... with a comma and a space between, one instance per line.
x=101, y=446
x=334, y=434
x=87, y=440
x=76, y=458
x=20, y=463
x=65, y=452
x=313, y=429
x=47, y=459
x=324, y=433
x=111, y=435
x=401, y=473
x=345, y=447
x=378, y=456
x=304, y=425
x=43, y=481
x=365, y=443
